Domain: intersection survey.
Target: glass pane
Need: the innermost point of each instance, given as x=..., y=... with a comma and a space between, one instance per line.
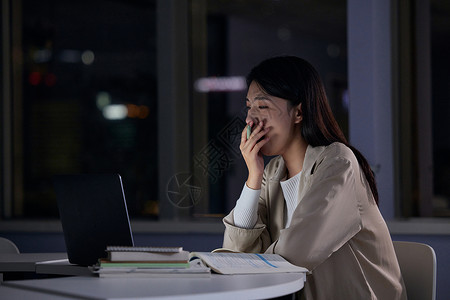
x=89, y=99
x=440, y=47
x=240, y=34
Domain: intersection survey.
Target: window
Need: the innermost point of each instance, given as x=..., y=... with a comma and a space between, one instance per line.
x=422, y=106
x=116, y=86
x=440, y=73
x=239, y=35
x=82, y=99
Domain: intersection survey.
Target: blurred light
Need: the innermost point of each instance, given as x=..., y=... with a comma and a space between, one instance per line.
x=115, y=112
x=220, y=84
x=70, y=56
x=345, y=99
x=87, y=57
x=144, y=111
x=103, y=99
x=35, y=78
x=41, y=56
x=135, y=111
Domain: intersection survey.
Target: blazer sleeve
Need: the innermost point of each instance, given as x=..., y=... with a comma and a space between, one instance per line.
x=253, y=240
x=327, y=216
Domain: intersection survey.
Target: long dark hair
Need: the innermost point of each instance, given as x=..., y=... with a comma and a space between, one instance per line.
x=296, y=80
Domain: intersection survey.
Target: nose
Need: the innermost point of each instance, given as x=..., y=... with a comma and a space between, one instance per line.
x=253, y=116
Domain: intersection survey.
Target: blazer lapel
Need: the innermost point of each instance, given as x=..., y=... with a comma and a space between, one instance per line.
x=277, y=203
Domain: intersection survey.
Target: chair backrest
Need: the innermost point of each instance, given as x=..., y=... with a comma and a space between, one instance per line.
x=418, y=266
x=6, y=246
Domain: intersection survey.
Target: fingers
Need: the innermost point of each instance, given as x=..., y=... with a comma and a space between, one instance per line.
x=250, y=148
x=253, y=131
x=244, y=133
x=255, y=136
x=261, y=142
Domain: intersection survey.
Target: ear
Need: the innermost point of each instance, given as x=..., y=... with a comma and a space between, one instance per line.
x=298, y=114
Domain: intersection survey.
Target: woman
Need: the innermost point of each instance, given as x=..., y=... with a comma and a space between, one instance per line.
x=315, y=203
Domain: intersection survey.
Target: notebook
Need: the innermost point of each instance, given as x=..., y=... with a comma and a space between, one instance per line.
x=93, y=214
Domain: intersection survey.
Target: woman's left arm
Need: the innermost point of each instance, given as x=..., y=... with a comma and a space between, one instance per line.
x=327, y=216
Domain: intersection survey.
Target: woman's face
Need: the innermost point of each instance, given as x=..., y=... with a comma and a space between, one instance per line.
x=275, y=114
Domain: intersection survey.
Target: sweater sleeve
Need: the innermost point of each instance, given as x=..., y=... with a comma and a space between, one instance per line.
x=254, y=239
x=245, y=212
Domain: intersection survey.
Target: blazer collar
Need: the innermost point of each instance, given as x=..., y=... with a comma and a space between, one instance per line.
x=311, y=156
x=280, y=169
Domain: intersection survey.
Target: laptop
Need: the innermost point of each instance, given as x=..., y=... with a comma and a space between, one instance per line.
x=93, y=214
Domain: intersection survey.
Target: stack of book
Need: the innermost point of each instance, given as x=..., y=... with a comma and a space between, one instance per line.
x=147, y=262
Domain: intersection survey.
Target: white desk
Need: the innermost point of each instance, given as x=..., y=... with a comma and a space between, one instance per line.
x=12, y=293
x=41, y=263
x=26, y=262
x=255, y=286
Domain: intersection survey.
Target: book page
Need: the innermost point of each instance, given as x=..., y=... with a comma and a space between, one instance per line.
x=242, y=263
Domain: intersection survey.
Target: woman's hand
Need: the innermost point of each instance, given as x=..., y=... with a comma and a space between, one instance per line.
x=250, y=149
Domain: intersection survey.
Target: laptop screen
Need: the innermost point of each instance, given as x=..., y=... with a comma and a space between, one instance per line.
x=93, y=214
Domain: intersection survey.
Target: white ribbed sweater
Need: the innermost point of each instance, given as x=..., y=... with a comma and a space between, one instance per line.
x=246, y=210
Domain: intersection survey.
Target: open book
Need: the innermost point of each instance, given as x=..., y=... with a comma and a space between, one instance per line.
x=246, y=263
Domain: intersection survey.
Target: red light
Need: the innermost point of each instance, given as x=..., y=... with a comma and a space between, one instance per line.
x=35, y=78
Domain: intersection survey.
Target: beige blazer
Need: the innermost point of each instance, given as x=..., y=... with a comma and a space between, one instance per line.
x=337, y=231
